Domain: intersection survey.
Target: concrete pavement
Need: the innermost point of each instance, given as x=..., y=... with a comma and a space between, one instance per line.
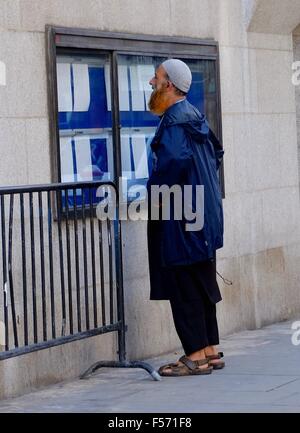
x=262, y=374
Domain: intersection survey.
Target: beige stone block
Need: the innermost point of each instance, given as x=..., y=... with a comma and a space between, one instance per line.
x=229, y=26
x=250, y=80
x=70, y=13
x=265, y=288
x=286, y=131
x=247, y=290
x=274, y=16
x=269, y=41
x=270, y=275
x=230, y=239
x=233, y=79
x=280, y=217
x=228, y=310
x=296, y=30
x=243, y=225
x=26, y=373
x=264, y=152
x=10, y=17
x=250, y=229
x=152, y=17
x=4, y=92
x=238, y=80
x=257, y=155
x=2, y=17
x=38, y=151
x=249, y=7
x=228, y=159
x=135, y=251
x=252, y=77
x=243, y=159
x=292, y=280
x=191, y=18
x=13, y=161
x=25, y=94
x=150, y=324
x=276, y=93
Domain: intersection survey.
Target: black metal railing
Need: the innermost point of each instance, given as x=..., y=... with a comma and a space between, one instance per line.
x=61, y=270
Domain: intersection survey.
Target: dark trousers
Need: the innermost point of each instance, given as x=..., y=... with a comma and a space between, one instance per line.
x=195, y=322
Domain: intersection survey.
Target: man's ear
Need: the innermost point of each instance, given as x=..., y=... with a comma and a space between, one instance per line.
x=169, y=85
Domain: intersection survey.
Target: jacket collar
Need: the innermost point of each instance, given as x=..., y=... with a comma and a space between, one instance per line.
x=164, y=120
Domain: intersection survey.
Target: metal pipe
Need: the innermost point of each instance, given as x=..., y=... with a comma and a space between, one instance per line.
x=69, y=265
x=86, y=284
x=33, y=275
x=77, y=262
x=10, y=273
x=52, y=295
x=42, y=252
x=95, y=303
x=61, y=262
x=24, y=269
x=4, y=266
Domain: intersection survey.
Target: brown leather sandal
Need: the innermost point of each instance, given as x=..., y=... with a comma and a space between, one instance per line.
x=187, y=368
x=216, y=365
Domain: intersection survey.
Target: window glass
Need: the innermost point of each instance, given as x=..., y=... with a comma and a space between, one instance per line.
x=85, y=115
x=203, y=91
x=138, y=125
x=85, y=118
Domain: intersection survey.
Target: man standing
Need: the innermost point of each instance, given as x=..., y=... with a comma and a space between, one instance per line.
x=182, y=263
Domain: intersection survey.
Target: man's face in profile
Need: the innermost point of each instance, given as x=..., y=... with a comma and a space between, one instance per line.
x=159, y=99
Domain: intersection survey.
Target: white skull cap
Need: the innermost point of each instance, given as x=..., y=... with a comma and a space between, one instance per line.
x=179, y=73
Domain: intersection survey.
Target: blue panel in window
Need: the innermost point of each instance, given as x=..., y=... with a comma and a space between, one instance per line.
x=99, y=157
x=82, y=196
x=196, y=93
x=97, y=115
x=138, y=119
x=98, y=151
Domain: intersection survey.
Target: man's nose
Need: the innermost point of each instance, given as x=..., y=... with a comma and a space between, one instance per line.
x=151, y=81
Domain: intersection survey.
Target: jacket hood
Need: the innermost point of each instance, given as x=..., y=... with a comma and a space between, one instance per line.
x=185, y=114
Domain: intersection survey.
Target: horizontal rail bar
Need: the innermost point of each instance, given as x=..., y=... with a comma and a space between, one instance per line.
x=54, y=186
x=59, y=341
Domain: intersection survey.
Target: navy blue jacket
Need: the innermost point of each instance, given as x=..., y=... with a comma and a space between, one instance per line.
x=186, y=152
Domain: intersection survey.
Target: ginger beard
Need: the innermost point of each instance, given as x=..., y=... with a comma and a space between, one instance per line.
x=159, y=100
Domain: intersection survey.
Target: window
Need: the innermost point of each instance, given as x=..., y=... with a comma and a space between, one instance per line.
x=84, y=118
x=101, y=124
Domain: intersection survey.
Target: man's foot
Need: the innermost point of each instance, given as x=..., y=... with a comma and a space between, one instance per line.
x=186, y=367
x=214, y=357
